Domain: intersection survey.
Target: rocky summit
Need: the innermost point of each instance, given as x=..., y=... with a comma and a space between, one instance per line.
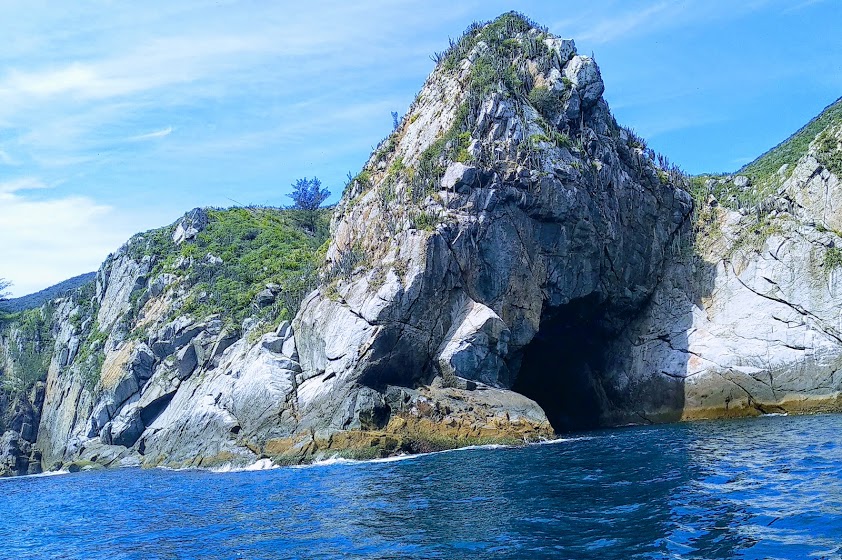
x=509, y=263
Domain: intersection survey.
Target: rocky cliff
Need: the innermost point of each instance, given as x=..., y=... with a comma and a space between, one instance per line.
x=500, y=239
x=509, y=263
x=749, y=322
x=169, y=356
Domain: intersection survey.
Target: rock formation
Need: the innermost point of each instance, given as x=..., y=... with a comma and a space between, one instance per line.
x=508, y=208
x=749, y=324
x=509, y=263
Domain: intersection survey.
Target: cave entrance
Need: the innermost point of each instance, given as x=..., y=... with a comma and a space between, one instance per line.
x=560, y=367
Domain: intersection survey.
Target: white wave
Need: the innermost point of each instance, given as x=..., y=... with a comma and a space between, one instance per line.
x=259, y=465
x=395, y=458
x=266, y=464
x=40, y=475
x=560, y=440
x=337, y=460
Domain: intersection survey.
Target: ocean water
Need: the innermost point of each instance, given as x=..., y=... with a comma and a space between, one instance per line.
x=761, y=488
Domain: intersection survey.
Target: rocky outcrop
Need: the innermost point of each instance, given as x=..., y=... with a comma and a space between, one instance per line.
x=750, y=324
x=509, y=263
x=549, y=206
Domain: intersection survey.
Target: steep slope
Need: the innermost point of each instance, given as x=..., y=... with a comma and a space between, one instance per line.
x=510, y=262
x=41, y=297
x=86, y=375
x=493, y=245
x=791, y=150
x=760, y=329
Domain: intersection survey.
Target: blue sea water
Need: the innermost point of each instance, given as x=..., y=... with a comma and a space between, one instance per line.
x=761, y=488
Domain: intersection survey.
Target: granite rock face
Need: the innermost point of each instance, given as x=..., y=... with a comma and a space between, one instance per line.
x=457, y=283
x=751, y=324
x=509, y=263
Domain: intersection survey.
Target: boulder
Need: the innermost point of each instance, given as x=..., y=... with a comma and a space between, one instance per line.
x=220, y=345
x=264, y=298
x=741, y=181
x=187, y=334
x=142, y=362
x=459, y=176
x=273, y=343
x=158, y=284
x=162, y=348
x=284, y=330
x=127, y=427
x=476, y=346
x=186, y=361
x=190, y=225
x=585, y=78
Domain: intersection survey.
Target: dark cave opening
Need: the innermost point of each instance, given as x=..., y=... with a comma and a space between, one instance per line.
x=560, y=367
x=154, y=409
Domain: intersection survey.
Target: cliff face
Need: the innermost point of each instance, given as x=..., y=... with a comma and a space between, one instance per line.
x=503, y=235
x=749, y=324
x=509, y=263
x=170, y=356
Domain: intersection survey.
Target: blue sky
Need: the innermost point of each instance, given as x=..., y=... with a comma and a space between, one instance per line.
x=116, y=117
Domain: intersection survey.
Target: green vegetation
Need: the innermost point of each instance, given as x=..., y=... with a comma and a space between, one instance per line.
x=759, y=198
x=635, y=140
x=257, y=246
x=753, y=237
x=239, y=252
x=828, y=152
x=346, y=262
x=832, y=258
x=30, y=342
x=549, y=102
x=91, y=357
x=790, y=150
x=558, y=139
x=4, y=284
x=498, y=36
x=754, y=197
x=308, y=195
x=424, y=220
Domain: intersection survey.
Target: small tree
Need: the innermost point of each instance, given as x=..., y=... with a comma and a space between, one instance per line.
x=4, y=284
x=308, y=195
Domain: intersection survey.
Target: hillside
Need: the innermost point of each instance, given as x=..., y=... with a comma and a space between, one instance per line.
x=39, y=298
x=793, y=148
x=243, y=269
x=510, y=263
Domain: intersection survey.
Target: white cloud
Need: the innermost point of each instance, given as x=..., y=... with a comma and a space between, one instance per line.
x=48, y=241
x=802, y=5
x=22, y=184
x=615, y=21
x=613, y=28
x=152, y=135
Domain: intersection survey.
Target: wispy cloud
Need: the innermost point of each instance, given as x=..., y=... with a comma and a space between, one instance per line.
x=617, y=27
x=54, y=239
x=21, y=184
x=152, y=135
x=5, y=158
x=611, y=21
x=802, y=5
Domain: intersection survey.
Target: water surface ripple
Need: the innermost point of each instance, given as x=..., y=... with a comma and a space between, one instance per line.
x=763, y=488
